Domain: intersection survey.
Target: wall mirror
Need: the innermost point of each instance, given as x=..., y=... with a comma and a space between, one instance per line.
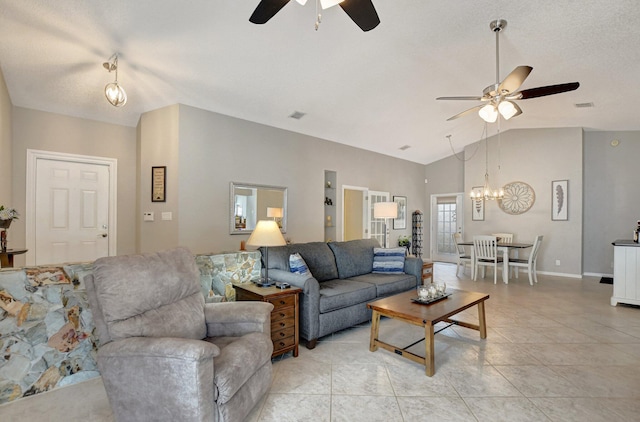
x=251, y=203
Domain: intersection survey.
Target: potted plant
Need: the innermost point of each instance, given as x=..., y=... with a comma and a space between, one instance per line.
x=404, y=241
x=7, y=215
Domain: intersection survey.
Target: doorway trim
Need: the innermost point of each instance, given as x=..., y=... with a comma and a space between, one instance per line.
x=33, y=155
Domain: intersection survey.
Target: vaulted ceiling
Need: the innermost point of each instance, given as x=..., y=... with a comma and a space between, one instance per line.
x=374, y=90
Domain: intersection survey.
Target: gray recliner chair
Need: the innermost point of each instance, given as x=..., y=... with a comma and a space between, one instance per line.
x=164, y=354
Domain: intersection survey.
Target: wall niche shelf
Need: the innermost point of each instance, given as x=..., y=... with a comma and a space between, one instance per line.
x=330, y=197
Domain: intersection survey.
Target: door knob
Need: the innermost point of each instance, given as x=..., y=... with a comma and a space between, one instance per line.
x=103, y=235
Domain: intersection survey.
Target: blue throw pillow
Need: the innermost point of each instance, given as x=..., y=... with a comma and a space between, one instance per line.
x=388, y=261
x=298, y=266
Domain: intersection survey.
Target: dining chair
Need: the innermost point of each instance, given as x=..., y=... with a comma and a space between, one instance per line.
x=529, y=263
x=486, y=255
x=507, y=238
x=463, y=258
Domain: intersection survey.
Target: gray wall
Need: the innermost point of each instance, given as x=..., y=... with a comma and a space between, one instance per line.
x=536, y=157
x=41, y=130
x=158, y=146
x=6, y=198
x=215, y=149
x=611, y=197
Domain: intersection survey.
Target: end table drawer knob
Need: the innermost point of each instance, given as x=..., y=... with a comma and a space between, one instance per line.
x=282, y=334
x=282, y=315
x=282, y=302
x=282, y=324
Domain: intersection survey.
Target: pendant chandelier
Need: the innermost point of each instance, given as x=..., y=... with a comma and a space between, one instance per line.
x=114, y=92
x=487, y=193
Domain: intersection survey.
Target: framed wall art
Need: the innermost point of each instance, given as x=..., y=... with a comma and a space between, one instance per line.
x=159, y=184
x=560, y=200
x=400, y=223
x=477, y=205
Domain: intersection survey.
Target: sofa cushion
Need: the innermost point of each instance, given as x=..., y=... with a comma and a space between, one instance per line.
x=338, y=294
x=388, y=260
x=298, y=266
x=319, y=259
x=388, y=284
x=354, y=257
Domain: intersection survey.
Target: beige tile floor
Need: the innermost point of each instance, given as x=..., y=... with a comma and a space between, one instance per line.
x=556, y=351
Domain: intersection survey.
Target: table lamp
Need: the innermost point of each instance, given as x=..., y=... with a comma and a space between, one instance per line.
x=385, y=210
x=267, y=233
x=276, y=214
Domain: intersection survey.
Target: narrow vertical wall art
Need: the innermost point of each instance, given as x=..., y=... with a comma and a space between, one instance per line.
x=560, y=200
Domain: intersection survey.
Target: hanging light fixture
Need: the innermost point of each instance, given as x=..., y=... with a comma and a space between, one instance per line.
x=506, y=109
x=115, y=93
x=487, y=193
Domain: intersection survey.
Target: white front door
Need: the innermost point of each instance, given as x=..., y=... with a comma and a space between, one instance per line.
x=70, y=211
x=446, y=219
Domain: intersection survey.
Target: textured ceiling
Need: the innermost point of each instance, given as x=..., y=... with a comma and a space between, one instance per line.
x=373, y=90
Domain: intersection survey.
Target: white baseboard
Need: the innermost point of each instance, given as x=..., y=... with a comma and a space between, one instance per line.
x=560, y=274
x=598, y=275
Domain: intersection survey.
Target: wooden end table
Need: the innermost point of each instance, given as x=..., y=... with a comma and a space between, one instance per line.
x=401, y=307
x=6, y=257
x=427, y=271
x=284, y=317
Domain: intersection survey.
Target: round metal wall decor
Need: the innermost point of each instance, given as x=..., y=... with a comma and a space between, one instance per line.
x=518, y=198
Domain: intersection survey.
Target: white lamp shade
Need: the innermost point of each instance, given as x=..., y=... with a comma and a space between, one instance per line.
x=266, y=233
x=274, y=212
x=488, y=113
x=507, y=109
x=385, y=210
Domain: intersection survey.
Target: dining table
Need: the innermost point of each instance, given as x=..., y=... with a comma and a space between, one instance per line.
x=504, y=248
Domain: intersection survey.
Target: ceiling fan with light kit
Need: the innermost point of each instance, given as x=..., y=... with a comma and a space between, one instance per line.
x=499, y=98
x=362, y=12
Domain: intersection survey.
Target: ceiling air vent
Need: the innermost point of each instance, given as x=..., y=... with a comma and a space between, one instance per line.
x=404, y=147
x=583, y=105
x=297, y=115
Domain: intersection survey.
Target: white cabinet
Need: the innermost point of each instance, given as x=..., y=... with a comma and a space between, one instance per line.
x=626, y=272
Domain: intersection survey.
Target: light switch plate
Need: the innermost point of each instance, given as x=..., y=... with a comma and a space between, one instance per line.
x=148, y=216
x=167, y=215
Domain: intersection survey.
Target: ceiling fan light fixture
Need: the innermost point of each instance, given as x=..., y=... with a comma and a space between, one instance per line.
x=488, y=113
x=507, y=109
x=324, y=3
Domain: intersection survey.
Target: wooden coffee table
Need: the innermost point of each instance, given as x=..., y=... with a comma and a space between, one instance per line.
x=401, y=307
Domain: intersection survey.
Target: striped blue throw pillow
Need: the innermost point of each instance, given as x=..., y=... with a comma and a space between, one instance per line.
x=298, y=266
x=388, y=261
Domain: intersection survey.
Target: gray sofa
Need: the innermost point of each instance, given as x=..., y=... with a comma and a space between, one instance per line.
x=335, y=297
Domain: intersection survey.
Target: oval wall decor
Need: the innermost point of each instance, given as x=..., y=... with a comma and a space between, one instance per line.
x=518, y=198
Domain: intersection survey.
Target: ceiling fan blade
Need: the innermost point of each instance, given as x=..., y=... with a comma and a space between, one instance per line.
x=362, y=13
x=266, y=10
x=514, y=79
x=548, y=90
x=460, y=98
x=464, y=113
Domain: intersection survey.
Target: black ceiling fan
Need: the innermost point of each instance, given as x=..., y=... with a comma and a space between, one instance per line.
x=361, y=12
x=499, y=98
